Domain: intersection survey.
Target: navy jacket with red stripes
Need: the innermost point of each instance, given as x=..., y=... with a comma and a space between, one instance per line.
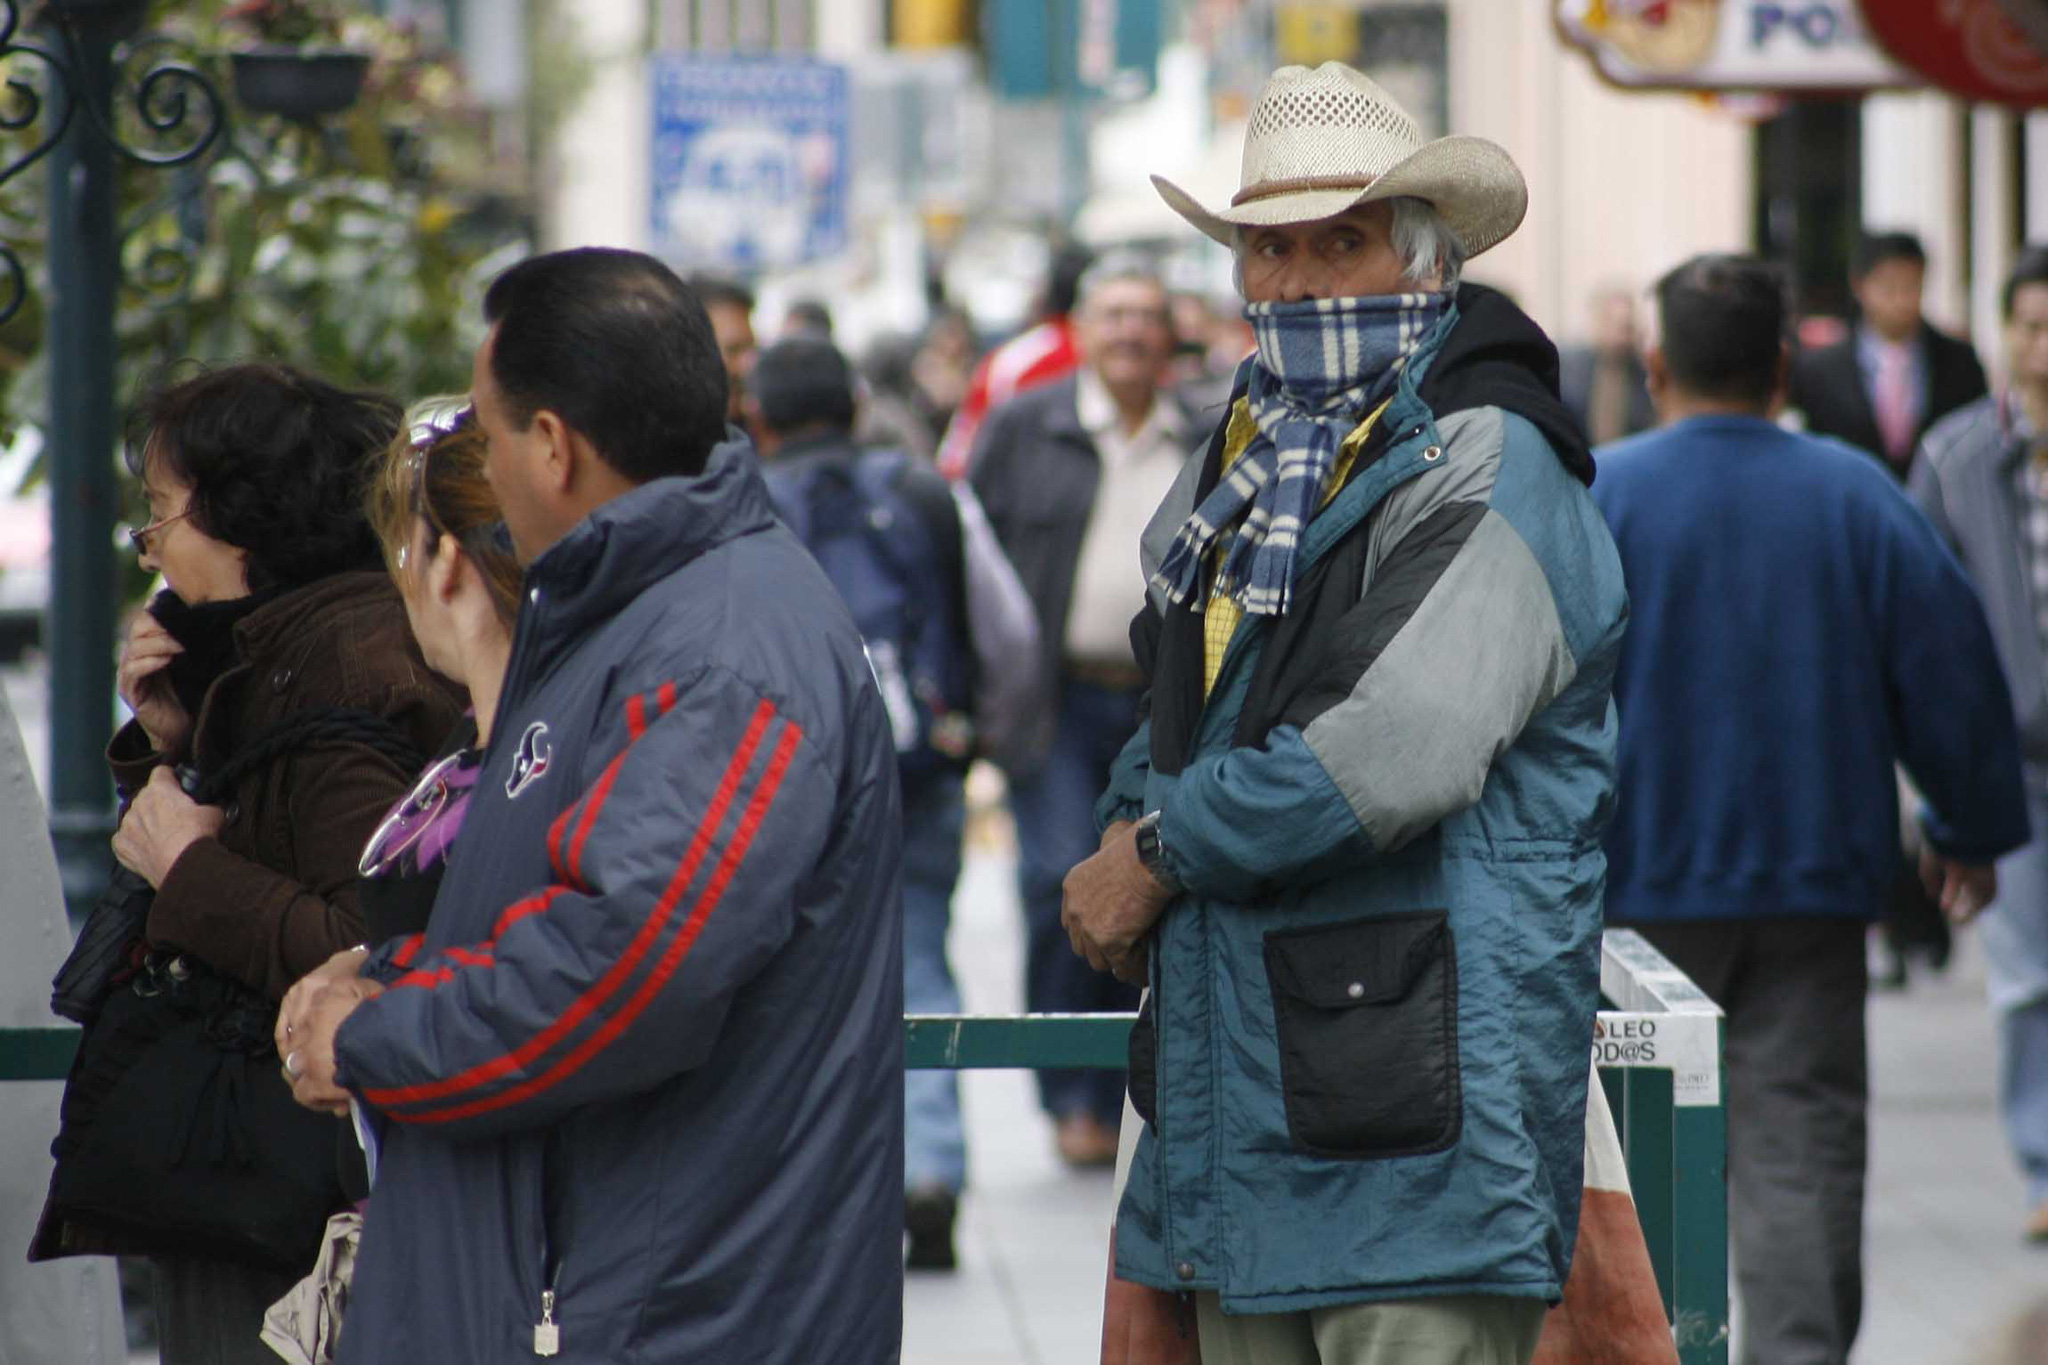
x=649, y=1052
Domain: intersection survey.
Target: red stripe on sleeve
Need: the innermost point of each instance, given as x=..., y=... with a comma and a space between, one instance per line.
x=629, y=961
x=407, y=950
x=556, y=831
x=593, y=803
x=636, y=716
x=519, y=910
x=671, y=959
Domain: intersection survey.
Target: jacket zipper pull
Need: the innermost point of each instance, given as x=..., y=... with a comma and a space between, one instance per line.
x=547, y=1334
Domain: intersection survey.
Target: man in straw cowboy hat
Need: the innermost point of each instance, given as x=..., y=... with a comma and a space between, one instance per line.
x=1355, y=847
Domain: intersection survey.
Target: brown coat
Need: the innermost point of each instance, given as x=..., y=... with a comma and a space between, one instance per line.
x=274, y=895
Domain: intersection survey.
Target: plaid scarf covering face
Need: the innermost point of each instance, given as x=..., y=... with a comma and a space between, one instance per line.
x=1322, y=365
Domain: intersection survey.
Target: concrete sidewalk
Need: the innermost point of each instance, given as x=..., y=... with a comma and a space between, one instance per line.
x=1944, y=1262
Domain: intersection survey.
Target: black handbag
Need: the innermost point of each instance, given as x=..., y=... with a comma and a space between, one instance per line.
x=178, y=1134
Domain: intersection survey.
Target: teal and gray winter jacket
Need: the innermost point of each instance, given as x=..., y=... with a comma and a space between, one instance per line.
x=1364, y=1059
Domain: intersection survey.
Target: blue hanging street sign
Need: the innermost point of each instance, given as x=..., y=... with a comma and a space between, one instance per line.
x=751, y=157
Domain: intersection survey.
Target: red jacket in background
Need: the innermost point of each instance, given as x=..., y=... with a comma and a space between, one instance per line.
x=1033, y=357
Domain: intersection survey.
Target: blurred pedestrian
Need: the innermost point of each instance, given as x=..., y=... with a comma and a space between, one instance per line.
x=1880, y=387
x=1757, y=825
x=1603, y=382
x=658, y=1006
x=807, y=318
x=1069, y=474
x=1894, y=376
x=1355, y=847
x=1042, y=354
x=942, y=369
x=275, y=621
x=730, y=306
x=887, y=416
x=886, y=529
x=1207, y=352
x=1982, y=478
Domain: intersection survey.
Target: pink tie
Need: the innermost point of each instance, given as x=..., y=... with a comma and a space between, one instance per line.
x=1895, y=403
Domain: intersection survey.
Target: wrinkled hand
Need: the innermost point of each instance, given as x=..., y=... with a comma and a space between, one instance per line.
x=1110, y=901
x=309, y=1060
x=1962, y=889
x=342, y=972
x=146, y=687
x=1145, y=1326
x=160, y=824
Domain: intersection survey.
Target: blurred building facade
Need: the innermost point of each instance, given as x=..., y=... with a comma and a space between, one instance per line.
x=980, y=128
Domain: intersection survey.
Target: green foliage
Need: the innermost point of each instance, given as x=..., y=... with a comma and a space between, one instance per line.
x=356, y=248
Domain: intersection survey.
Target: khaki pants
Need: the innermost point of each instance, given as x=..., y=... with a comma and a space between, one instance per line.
x=1466, y=1329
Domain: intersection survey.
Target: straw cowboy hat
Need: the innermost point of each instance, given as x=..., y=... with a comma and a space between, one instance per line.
x=1321, y=141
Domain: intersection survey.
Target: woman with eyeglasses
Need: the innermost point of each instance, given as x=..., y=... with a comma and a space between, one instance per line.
x=276, y=674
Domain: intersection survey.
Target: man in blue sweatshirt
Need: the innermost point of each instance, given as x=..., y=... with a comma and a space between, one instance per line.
x=1797, y=628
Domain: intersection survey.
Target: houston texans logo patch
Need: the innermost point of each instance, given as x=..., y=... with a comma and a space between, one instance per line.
x=530, y=764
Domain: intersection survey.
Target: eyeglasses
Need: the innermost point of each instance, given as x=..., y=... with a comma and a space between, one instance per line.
x=411, y=818
x=139, y=537
x=432, y=421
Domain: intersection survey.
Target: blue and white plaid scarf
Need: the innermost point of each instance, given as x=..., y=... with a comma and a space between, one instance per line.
x=1322, y=365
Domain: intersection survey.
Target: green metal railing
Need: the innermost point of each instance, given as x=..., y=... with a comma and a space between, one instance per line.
x=1658, y=1051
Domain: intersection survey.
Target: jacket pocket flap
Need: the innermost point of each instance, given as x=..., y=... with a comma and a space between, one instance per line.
x=1358, y=962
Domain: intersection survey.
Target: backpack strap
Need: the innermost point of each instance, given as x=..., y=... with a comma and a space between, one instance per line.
x=930, y=500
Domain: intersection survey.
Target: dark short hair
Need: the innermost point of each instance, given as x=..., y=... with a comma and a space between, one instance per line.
x=721, y=291
x=1723, y=326
x=1876, y=248
x=619, y=348
x=800, y=382
x=276, y=459
x=1063, y=279
x=2030, y=268
x=812, y=315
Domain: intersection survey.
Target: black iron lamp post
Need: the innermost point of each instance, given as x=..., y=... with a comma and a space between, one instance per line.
x=77, y=44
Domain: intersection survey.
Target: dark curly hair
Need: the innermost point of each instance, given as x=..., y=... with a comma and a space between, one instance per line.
x=277, y=460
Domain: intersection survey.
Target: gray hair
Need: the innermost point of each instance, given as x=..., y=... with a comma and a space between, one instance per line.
x=1118, y=267
x=1425, y=243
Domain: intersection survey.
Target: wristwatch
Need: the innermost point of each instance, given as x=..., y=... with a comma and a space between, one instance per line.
x=1152, y=853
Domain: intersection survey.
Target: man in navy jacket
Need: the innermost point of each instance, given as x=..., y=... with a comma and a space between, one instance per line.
x=640, y=1085
x=1797, y=628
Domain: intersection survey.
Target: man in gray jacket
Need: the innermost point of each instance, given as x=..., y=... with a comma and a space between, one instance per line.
x=1070, y=473
x=1982, y=477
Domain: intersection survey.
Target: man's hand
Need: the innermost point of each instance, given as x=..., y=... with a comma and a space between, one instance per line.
x=1110, y=902
x=342, y=972
x=309, y=1061
x=161, y=823
x=146, y=687
x=1963, y=889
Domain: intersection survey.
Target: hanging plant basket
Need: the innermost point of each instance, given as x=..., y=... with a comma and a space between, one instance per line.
x=299, y=82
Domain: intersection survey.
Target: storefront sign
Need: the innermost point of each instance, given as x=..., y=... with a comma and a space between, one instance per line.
x=1971, y=48
x=1770, y=45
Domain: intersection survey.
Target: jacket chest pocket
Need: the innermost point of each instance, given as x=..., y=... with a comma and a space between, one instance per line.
x=1366, y=1013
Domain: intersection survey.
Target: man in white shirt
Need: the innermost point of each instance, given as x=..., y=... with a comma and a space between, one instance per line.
x=1069, y=474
